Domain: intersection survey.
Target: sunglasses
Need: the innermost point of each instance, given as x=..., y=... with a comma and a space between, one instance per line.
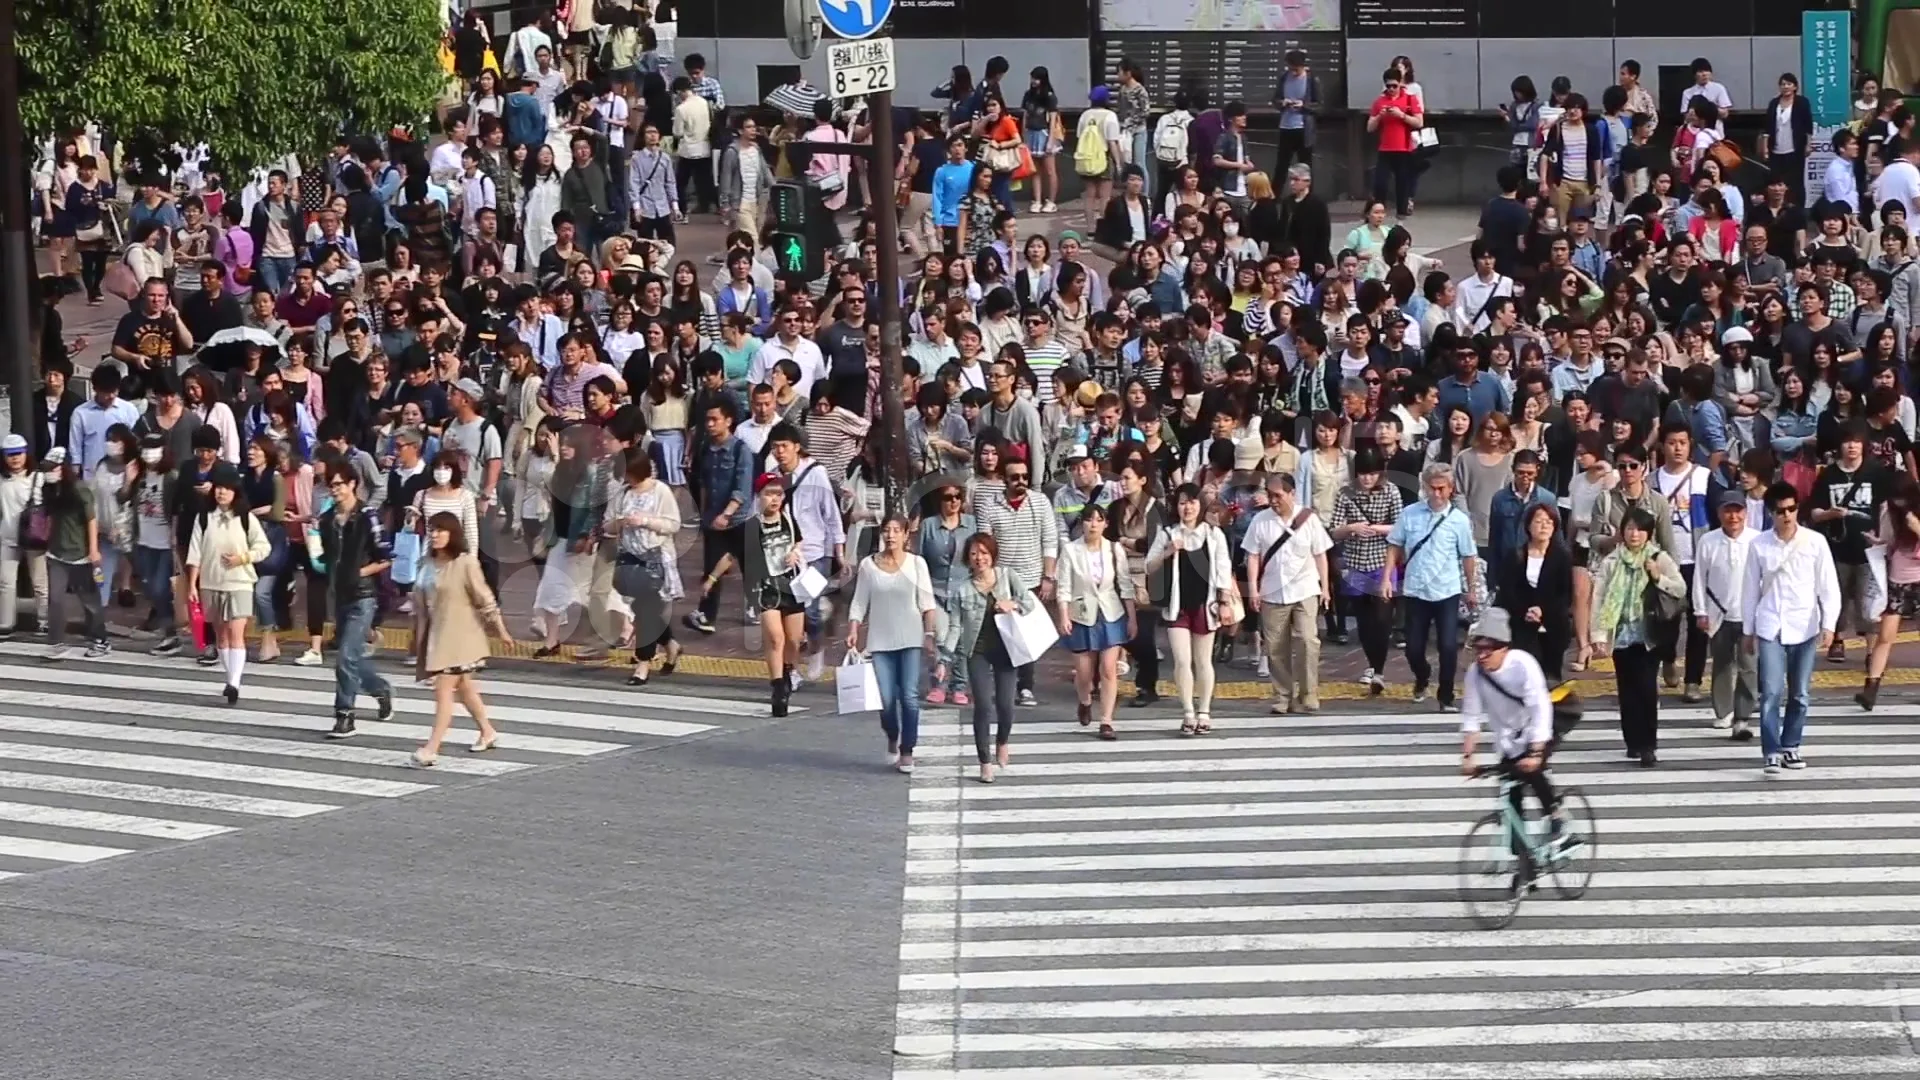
x=856, y=299
x=1788, y=510
x=1631, y=466
x=951, y=496
x=1013, y=476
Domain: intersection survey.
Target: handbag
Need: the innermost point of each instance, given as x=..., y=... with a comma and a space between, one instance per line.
x=1027, y=636
x=1025, y=169
x=642, y=575
x=1426, y=139
x=87, y=234
x=1004, y=159
x=275, y=563
x=36, y=524
x=197, y=621
x=856, y=686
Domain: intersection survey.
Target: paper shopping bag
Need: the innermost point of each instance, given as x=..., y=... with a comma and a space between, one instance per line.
x=857, y=685
x=1027, y=636
x=809, y=586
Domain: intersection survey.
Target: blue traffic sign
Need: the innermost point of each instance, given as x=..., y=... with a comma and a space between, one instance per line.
x=855, y=19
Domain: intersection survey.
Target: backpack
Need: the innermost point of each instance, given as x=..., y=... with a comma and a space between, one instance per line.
x=1090, y=147
x=1170, y=140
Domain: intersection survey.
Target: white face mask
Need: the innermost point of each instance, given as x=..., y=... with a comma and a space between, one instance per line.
x=115, y=452
x=151, y=457
x=1550, y=223
x=1026, y=393
x=1230, y=229
x=443, y=477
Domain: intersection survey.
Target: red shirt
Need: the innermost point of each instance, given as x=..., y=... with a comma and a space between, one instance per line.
x=1395, y=135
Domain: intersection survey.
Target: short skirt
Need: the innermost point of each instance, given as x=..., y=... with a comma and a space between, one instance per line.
x=224, y=606
x=1111, y=634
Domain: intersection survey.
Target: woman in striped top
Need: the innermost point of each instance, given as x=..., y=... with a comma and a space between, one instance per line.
x=984, y=487
x=449, y=495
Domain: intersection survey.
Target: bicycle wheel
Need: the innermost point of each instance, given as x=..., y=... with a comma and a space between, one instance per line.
x=1488, y=872
x=1578, y=849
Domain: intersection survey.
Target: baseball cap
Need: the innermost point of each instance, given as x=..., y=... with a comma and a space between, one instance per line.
x=471, y=389
x=1099, y=95
x=1580, y=213
x=1735, y=499
x=1077, y=454
x=14, y=444
x=764, y=479
x=55, y=456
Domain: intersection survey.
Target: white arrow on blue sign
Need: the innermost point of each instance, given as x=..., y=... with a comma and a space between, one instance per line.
x=855, y=19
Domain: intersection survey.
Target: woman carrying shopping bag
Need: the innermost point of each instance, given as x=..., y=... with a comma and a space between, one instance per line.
x=227, y=544
x=1096, y=613
x=893, y=600
x=1200, y=597
x=459, y=610
x=973, y=636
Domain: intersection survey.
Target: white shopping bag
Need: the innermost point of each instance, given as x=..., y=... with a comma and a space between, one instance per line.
x=809, y=586
x=1874, y=600
x=857, y=686
x=1027, y=636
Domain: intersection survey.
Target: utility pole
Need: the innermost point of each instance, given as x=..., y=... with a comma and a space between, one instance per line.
x=16, y=266
x=893, y=407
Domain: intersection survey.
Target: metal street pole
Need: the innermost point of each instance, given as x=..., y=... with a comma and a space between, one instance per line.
x=16, y=267
x=893, y=409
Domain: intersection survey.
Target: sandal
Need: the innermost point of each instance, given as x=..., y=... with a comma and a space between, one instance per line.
x=1107, y=733
x=672, y=661
x=1576, y=665
x=1187, y=726
x=1203, y=725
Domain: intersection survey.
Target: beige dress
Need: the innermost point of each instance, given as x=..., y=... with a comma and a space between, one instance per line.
x=460, y=611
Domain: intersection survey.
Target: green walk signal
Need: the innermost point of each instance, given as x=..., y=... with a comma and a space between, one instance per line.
x=793, y=254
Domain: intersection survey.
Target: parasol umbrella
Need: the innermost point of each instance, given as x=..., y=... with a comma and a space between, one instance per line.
x=797, y=98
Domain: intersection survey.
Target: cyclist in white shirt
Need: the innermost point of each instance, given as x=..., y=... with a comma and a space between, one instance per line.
x=1507, y=693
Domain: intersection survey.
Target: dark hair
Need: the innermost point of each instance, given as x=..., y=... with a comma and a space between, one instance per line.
x=452, y=459
x=446, y=522
x=1637, y=517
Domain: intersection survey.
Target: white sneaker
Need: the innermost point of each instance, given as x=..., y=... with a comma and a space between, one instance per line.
x=1124, y=669
x=311, y=658
x=1261, y=668
x=57, y=653
x=1722, y=723
x=794, y=679
x=817, y=666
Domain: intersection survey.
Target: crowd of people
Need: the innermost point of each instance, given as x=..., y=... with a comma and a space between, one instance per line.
x=1248, y=432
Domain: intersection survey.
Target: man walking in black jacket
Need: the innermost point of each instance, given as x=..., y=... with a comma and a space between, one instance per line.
x=355, y=551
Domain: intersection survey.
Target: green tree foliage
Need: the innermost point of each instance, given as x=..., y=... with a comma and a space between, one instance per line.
x=253, y=79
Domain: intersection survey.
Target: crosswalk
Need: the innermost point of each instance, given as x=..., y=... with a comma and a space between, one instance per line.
x=109, y=757
x=1279, y=901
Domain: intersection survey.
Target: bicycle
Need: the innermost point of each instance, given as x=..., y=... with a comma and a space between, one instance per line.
x=1505, y=854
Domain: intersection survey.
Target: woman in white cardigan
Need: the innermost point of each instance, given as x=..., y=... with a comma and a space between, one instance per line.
x=1200, y=590
x=1096, y=611
x=227, y=543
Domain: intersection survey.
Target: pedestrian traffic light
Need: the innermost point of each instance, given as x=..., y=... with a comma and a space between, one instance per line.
x=793, y=254
x=789, y=207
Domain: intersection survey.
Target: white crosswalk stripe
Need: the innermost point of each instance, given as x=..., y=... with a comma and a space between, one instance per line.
x=106, y=758
x=1280, y=901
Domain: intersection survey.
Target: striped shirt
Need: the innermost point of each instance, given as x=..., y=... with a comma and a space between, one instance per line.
x=833, y=440
x=709, y=87
x=1045, y=360
x=1028, y=534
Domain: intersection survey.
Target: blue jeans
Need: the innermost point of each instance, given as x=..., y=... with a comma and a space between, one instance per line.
x=1785, y=671
x=1002, y=190
x=263, y=617
x=275, y=274
x=154, y=568
x=1140, y=152
x=353, y=670
x=110, y=557
x=1441, y=618
x=898, y=671
x=817, y=607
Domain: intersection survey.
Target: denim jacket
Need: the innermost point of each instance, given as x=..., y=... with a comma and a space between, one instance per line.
x=967, y=609
x=726, y=474
x=944, y=550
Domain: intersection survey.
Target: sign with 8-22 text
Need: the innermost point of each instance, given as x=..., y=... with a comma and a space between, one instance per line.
x=858, y=68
